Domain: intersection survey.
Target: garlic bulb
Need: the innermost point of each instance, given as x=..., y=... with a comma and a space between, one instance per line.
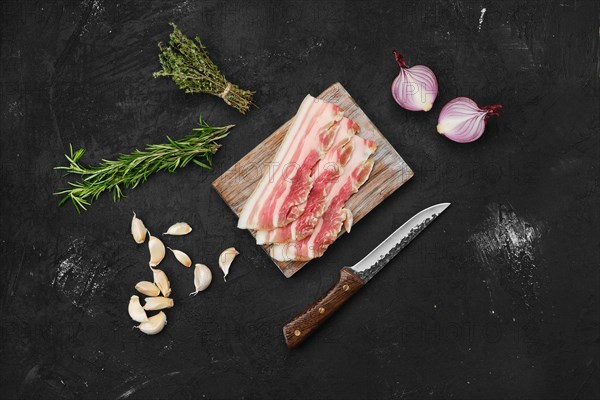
x=178, y=229
x=414, y=88
x=202, y=278
x=147, y=288
x=161, y=280
x=136, y=312
x=154, y=325
x=138, y=229
x=463, y=121
x=158, y=303
x=157, y=250
x=182, y=257
x=225, y=260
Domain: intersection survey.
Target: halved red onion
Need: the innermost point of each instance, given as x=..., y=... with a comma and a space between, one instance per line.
x=414, y=88
x=463, y=121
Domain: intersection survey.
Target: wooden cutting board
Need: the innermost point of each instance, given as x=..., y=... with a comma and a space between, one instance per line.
x=389, y=170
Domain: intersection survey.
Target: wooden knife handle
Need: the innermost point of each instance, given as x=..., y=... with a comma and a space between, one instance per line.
x=305, y=323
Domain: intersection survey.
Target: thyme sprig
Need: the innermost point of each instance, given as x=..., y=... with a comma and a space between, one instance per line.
x=187, y=62
x=129, y=170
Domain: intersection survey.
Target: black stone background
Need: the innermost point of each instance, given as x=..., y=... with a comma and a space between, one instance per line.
x=440, y=321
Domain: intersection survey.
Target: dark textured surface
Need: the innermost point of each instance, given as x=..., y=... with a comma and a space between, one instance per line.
x=498, y=298
x=401, y=242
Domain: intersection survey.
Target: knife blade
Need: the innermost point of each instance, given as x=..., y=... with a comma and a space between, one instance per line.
x=351, y=279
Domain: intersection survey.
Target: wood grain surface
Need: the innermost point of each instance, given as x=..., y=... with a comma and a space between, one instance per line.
x=299, y=328
x=389, y=170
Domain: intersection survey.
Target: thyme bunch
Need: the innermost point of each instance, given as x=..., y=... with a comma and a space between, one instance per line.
x=129, y=170
x=187, y=62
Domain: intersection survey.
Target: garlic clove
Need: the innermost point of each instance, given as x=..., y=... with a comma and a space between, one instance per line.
x=161, y=280
x=136, y=312
x=202, y=278
x=154, y=325
x=225, y=260
x=158, y=303
x=182, y=257
x=147, y=288
x=178, y=229
x=157, y=250
x=138, y=229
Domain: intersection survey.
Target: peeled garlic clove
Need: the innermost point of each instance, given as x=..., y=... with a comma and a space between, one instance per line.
x=136, y=311
x=154, y=325
x=158, y=303
x=138, y=229
x=161, y=280
x=182, y=257
x=180, y=228
x=202, y=278
x=147, y=288
x=157, y=250
x=225, y=260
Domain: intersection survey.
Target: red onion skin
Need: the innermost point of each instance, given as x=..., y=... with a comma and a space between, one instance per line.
x=415, y=88
x=463, y=121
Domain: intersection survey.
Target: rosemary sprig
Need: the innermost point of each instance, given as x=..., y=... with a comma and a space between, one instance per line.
x=129, y=170
x=187, y=62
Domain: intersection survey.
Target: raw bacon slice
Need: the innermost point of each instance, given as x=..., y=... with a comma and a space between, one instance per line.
x=326, y=173
x=280, y=197
x=355, y=174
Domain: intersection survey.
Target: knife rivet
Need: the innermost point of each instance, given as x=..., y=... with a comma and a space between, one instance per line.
x=297, y=332
x=346, y=288
x=321, y=310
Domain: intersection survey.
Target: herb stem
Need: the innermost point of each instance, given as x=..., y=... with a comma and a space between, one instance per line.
x=188, y=64
x=129, y=170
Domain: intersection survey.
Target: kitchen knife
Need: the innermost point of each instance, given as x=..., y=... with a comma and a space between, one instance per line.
x=353, y=278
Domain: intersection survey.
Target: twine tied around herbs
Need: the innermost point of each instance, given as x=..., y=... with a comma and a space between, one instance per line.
x=187, y=62
x=225, y=93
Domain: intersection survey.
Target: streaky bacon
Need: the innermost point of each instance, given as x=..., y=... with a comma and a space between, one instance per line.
x=355, y=174
x=325, y=174
x=280, y=197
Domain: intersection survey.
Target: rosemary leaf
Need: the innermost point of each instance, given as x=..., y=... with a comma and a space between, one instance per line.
x=188, y=64
x=129, y=170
